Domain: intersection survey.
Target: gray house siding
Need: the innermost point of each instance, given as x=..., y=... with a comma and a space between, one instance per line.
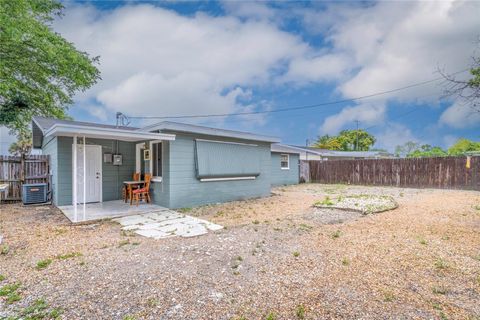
x=112, y=176
x=49, y=147
x=185, y=190
x=284, y=177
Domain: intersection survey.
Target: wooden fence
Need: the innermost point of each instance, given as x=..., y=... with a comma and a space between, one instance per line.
x=16, y=171
x=442, y=172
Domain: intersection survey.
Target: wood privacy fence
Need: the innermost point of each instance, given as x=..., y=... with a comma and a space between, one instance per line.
x=442, y=172
x=18, y=170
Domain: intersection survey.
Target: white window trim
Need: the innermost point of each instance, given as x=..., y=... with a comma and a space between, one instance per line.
x=138, y=149
x=228, y=179
x=155, y=178
x=288, y=161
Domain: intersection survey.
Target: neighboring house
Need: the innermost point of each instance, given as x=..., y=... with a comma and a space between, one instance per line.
x=310, y=153
x=285, y=167
x=191, y=165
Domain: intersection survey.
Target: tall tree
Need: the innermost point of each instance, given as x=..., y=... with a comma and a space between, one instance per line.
x=39, y=70
x=347, y=140
x=406, y=148
x=467, y=90
x=462, y=146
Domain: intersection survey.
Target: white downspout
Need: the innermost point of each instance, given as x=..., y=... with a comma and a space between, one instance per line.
x=74, y=195
x=84, y=178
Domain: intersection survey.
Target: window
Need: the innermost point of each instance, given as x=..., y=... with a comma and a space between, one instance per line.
x=284, y=161
x=156, y=159
x=222, y=160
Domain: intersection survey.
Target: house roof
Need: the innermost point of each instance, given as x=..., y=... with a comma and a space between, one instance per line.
x=44, y=127
x=326, y=153
x=170, y=126
x=46, y=123
x=283, y=148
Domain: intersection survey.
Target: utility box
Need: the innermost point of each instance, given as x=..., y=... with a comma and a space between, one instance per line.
x=34, y=193
x=117, y=160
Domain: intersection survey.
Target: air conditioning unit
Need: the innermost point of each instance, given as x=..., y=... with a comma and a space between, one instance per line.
x=34, y=193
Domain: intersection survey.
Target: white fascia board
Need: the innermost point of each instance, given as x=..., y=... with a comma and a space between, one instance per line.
x=106, y=133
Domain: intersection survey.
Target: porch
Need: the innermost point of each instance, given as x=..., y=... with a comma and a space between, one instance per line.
x=107, y=210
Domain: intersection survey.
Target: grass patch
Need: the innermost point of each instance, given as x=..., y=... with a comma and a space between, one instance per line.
x=152, y=302
x=300, y=311
x=423, y=241
x=336, y=234
x=128, y=233
x=305, y=227
x=5, y=249
x=10, y=292
x=325, y=202
x=388, y=296
x=123, y=243
x=441, y=264
x=440, y=290
x=477, y=207
x=129, y=318
x=345, y=262
x=256, y=222
x=271, y=316
x=296, y=254
x=2, y=277
x=42, y=264
x=69, y=255
x=184, y=210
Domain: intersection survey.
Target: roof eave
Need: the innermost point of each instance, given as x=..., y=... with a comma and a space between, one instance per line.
x=105, y=133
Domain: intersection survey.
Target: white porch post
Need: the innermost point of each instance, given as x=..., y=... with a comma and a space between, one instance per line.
x=84, y=179
x=74, y=182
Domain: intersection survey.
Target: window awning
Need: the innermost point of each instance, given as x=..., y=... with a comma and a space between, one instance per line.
x=105, y=133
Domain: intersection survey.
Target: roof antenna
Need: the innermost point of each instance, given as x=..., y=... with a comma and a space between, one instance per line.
x=122, y=119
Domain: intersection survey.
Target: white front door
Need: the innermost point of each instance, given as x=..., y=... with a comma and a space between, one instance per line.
x=93, y=173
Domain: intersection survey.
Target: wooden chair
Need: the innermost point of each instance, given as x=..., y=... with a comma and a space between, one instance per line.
x=125, y=192
x=143, y=193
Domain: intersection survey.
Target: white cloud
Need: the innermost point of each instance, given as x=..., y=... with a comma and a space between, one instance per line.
x=157, y=62
x=367, y=114
x=393, y=135
x=460, y=116
x=395, y=44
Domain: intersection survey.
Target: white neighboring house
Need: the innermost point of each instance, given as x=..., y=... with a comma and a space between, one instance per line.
x=310, y=153
x=6, y=139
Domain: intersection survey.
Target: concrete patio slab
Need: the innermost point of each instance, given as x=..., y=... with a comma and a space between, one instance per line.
x=109, y=209
x=166, y=223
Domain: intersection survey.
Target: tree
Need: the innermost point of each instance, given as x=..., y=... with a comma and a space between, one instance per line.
x=462, y=146
x=467, y=90
x=427, y=150
x=407, y=148
x=347, y=140
x=23, y=145
x=39, y=70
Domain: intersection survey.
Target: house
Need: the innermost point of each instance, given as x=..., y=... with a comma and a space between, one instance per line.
x=310, y=153
x=191, y=165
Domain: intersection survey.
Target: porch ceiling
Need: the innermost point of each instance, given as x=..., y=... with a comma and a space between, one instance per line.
x=106, y=133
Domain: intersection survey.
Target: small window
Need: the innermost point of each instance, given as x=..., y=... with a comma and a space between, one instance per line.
x=156, y=158
x=284, y=161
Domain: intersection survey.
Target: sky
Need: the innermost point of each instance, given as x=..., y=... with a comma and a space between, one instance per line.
x=199, y=58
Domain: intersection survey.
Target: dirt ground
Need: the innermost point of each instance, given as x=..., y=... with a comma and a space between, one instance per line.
x=277, y=258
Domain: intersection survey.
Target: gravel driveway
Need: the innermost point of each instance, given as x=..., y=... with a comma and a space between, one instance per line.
x=276, y=256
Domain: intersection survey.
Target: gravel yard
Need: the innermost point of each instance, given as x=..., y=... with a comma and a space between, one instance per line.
x=277, y=256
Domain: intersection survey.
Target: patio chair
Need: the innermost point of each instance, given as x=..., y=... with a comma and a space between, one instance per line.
x=143, y=193
x=136, y=177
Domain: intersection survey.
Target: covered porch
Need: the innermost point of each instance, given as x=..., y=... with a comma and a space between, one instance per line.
x=93, y=164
